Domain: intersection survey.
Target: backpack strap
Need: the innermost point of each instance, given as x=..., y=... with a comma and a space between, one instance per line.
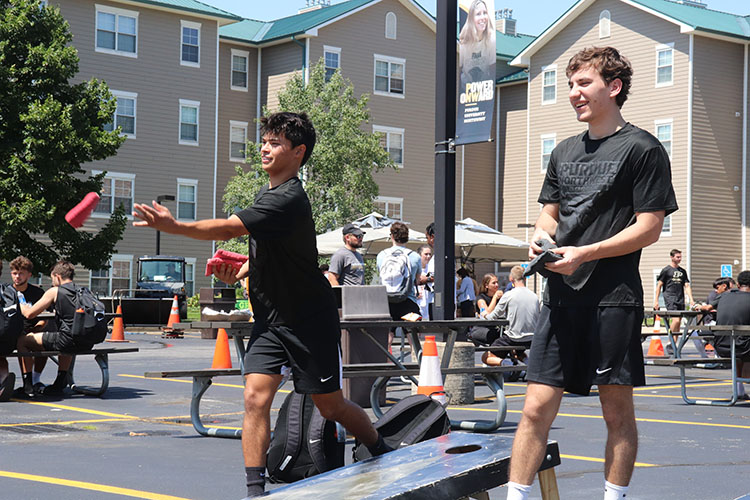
x=315, y=440
x=436, y=412
x=294, y=431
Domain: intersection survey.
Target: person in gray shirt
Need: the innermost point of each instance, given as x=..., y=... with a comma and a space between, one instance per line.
x=347, y=264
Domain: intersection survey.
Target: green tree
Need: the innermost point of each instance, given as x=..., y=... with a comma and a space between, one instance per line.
x=338, y=176
x=48, y=129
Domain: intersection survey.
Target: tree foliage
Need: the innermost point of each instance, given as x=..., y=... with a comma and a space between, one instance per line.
x=48, y=129
x=338, y=177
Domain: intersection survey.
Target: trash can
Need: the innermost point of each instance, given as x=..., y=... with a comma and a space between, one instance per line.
x=360, y=303
x=219, y=299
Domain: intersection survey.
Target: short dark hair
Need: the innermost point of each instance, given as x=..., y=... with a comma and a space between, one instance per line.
x=430, y=229
x=400, y=232
x=422, y=248
x=610, y=65
x=674, y=252
x=296, y=127
x=743, y=279
x=722, y=281
x=63, y=268
x=21, y=263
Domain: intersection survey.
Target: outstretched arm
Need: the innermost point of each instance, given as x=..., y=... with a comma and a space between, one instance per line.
x=41, y=305
x=160, y=218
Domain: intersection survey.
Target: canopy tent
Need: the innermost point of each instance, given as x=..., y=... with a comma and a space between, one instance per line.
x=476, y=241
x=377, y=236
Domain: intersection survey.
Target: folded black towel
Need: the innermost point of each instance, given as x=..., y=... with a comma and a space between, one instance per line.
x=547, y=255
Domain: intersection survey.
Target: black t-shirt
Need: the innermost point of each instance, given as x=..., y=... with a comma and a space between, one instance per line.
x=32, y=294
x=65, y=309
x=673, y=281
x=732, y=307
x=484, y=297
x=286, y=285
x=600, y=185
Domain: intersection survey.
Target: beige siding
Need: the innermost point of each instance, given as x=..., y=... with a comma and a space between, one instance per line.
x=717, y=160
x=637, y=33
x=360, y=36
x=278, y=65
x=512, y=147
x=234, y=105
x=155, y=156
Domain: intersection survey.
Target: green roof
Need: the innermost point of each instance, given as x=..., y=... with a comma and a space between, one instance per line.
x=192, y=6
x=244, y=31
x=520, y=75
x=507, y=46
x=701, y=18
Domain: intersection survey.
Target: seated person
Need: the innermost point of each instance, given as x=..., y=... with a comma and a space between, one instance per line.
x=733, y=308
x=7, y=377
x=521, y=307
x=61, y=295
x=489, y=295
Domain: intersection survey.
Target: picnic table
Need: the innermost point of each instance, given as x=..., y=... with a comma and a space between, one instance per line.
x=684, y=335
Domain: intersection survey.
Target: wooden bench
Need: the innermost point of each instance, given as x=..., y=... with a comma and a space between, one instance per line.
x=101, y=356
x=202, y=380
x=456, y=465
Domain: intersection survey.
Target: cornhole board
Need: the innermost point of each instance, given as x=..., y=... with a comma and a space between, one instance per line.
x=455, y=465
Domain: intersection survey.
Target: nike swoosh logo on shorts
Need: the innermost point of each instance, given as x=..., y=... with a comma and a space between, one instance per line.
x=599, y=372
x=324, y=380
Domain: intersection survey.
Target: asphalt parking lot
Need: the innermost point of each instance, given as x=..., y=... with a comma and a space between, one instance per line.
x=137, y=440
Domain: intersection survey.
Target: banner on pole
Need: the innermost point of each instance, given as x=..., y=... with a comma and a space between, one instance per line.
x=476, y=82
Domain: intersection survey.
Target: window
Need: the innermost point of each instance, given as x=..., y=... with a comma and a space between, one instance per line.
x=186, y=199
x=239, y=69
x=390, y=207
x=549, y=84
x=117, y=189
x=124, y=114
x=391, y=24
x=664, y=65
x=548, y=144
x=663, y=132
x=666, y=228
x=604, y=22
x=189, y=111
x=115, y=277
x=392, y=140
x=191, y=43
x=237, y=140
x=332, y=60
x=116, y=31
x=389, y=76
x=190, y=276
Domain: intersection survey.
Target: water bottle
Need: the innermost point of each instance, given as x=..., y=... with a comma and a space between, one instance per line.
x=481, y=312
x=21, y=298
x=78, y=320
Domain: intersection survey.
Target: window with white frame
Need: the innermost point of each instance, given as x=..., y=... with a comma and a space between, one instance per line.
x=116, y=31
x=239, y=69
x=664, y=65
x=190, y=276
x=391, y=25
x=604, y=24
x=389, y=76
x=189, y=115
x=663, y=132
x=666, y=227
x=549, y=84
x=392, y=140
x=190, y=47
x=548, y=144
x=115, y=277
x=117, y=189
x=331, y=59
x=389, y=206
x=124, y=114
x=237, y=140
x=187, y=190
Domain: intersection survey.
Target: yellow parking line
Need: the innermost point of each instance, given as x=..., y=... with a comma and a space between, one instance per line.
x=81, y=410
x=65, y=422
x=601, y=460
x=284, y=391
x=89, y=486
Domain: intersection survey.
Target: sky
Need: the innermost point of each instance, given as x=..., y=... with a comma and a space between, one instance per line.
x=532, y=16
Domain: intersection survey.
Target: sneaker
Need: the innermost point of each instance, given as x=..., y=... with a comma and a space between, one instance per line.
x=6, y=388
x=668, y=350
x=22, y=393
x=39, y=387
x=52, y=390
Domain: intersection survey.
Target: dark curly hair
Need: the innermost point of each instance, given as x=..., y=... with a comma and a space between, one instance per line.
x=296, y=127
x=610, y=65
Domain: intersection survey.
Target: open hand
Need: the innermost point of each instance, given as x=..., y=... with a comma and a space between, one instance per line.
x=573, y=257
x=157, y=216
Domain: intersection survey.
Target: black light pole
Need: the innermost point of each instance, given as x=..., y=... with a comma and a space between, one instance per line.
x=159, y=199
x=445, y=159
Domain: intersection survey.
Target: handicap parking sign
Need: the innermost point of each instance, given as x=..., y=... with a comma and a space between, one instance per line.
x=726, y=270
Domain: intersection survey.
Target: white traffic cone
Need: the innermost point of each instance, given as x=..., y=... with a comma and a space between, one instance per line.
x=430, y=378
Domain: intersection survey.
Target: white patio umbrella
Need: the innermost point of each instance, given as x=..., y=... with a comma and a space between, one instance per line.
x=377, y=236
x=477, y=241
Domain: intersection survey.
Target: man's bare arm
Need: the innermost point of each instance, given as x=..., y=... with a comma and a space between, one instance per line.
x=545, y=227
x=656, y=295
x=689, y=294
x=333, y=278
x=41, y=305
x=643, y=233
x=160, y=218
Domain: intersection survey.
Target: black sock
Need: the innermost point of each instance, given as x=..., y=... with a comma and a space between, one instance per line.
x=62, y=379
x=380, y=447
x=256, y=480
x=28, y=387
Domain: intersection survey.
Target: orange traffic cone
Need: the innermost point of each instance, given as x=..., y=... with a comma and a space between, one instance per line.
x=657, y=324
x=118, y=328
x=222, y=358
x=655, y=348
x=430, y=378
x=174, y=317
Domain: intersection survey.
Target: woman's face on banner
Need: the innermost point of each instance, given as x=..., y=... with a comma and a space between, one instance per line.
x=481, y=17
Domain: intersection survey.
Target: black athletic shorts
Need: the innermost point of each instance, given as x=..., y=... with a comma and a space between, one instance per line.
x=505, y=341
x=399, y=309
x=674, y=305
x=312, y=351
x=63, y=342
x=8, y=344
x=577, y=347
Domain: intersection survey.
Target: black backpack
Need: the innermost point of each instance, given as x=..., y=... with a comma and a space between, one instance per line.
x=412, y=420
x=11, y=319
x=90, y=326
x=304, y=443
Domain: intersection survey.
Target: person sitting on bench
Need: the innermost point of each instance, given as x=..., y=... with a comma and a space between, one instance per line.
x=61, y=295
x=521, y=306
